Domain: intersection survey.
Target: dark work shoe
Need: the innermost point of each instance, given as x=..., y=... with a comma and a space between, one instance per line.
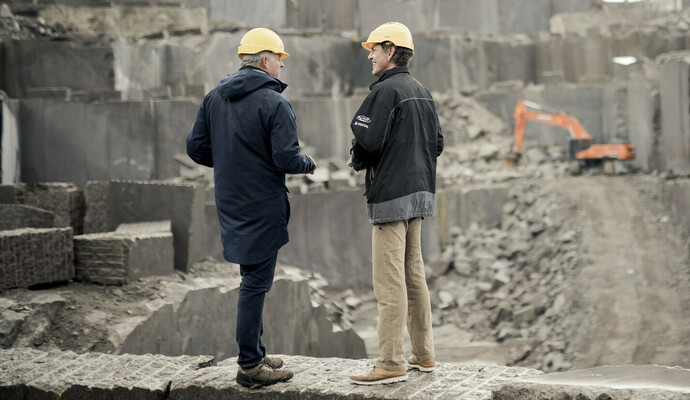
x=273, y=362
x=262, y=375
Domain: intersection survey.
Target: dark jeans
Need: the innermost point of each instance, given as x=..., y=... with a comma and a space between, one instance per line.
x=256, y=282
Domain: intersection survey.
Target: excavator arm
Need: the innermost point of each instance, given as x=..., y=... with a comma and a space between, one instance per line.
x=529, y=111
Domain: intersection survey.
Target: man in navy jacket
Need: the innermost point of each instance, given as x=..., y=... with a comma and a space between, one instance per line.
x=245, y=129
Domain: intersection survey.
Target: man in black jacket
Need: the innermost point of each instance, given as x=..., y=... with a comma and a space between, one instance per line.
x=246, y=130
x=397, y=140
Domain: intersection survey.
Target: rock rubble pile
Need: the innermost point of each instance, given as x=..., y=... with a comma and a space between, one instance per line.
x=506, y=282
x=17, y=27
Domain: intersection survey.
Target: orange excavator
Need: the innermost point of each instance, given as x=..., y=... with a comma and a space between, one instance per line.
x=583, y=152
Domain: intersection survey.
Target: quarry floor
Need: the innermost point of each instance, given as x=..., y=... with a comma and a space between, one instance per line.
x=631, y=305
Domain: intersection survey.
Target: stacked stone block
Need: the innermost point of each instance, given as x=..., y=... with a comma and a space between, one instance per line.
x=34, y=256
x=111, y=203
x=64, y=200
x=15, y=216
x=122, y=256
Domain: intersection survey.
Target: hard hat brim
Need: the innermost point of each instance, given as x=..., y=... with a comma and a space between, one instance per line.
x=282, y=55
x=368, y=46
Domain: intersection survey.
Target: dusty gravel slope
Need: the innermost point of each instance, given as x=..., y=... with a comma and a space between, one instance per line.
x=633, y=293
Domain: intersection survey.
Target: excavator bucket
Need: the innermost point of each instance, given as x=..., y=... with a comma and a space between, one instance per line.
x=510, y=161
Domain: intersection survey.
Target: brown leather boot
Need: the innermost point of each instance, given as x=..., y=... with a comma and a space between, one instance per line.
x=424, y=366
x=380, y=376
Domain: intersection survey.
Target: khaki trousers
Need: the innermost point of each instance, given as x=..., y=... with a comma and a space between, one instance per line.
x=401, y=293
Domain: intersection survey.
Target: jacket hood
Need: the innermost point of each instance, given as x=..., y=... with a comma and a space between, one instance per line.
x=248, y=80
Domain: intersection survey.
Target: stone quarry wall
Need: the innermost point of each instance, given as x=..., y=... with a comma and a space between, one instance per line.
x=162, y=77
x=358, y=17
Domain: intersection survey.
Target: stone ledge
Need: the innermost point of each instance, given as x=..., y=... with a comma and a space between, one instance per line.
x=630, y=382
x=66, y=375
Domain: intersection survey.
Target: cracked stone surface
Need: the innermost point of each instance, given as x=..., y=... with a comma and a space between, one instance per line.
x=28, y=373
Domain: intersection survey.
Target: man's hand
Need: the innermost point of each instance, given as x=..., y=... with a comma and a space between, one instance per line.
x=314, y=169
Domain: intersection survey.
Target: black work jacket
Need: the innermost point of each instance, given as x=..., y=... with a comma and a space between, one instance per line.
x=397, y=139
x=246, y=130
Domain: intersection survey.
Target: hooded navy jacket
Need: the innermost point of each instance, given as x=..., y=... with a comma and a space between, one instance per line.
x=245, y=129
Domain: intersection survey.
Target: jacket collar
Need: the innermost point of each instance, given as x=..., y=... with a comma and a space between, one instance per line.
x=388, y=73
x=282, y=84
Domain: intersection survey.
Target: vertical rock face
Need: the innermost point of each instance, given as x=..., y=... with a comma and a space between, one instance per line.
x=33, y=256
x=199, y=318
x=674, y=95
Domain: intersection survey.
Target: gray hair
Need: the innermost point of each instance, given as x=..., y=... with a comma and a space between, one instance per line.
x=249, y=59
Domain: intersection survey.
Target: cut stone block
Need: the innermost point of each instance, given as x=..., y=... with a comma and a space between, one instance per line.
x=64, y=200
x=38, y=63
x=111, y=203
x=674, y=96
x=9, y=141
x=16, y=216
x=125, y=255
x=145, y=227
x=32, y=256
x=101, y=140
x=322, y=15
x=330, y=233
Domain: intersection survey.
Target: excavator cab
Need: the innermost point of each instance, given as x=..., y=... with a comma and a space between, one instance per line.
x=582, y=151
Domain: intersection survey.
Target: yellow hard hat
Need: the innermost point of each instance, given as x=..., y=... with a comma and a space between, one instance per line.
x=261, y=39
x=394, y=32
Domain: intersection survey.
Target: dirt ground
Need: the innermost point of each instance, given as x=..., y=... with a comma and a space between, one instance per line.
x=634, y=295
